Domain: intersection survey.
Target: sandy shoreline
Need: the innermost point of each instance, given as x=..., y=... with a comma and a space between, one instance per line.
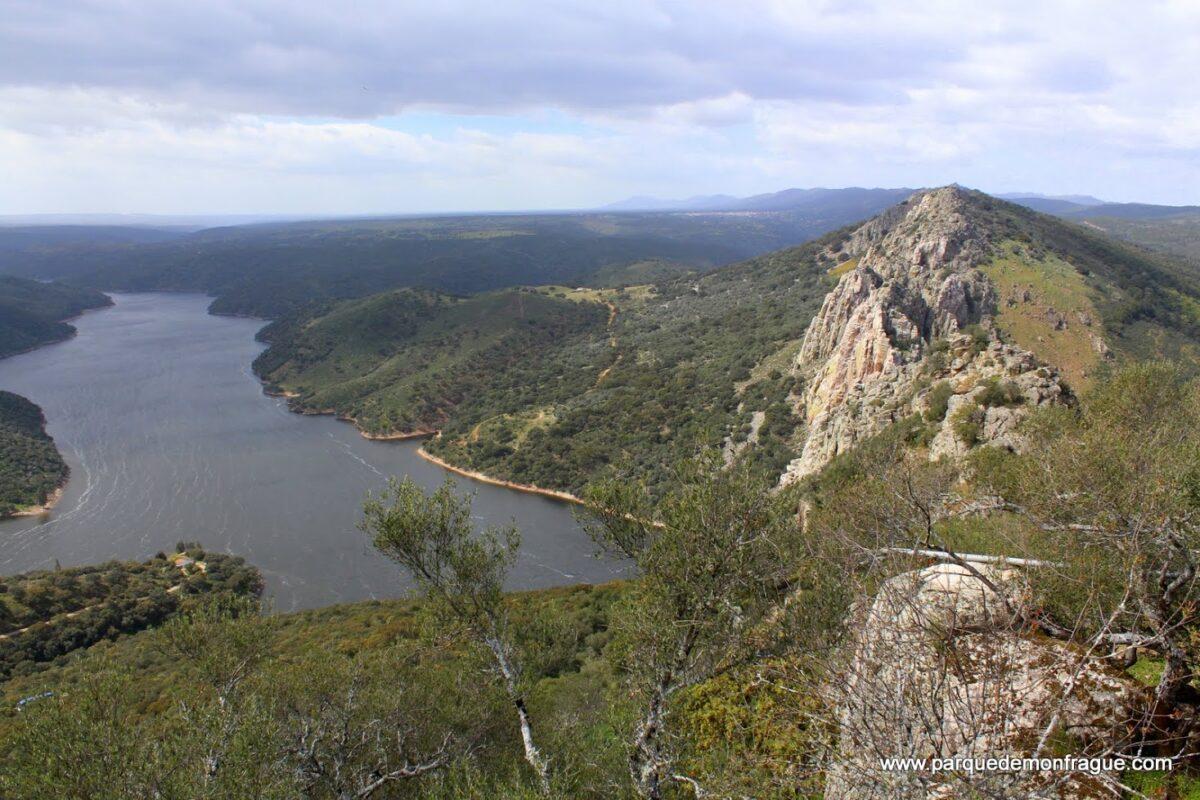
x=554, y=494
x=34, y=511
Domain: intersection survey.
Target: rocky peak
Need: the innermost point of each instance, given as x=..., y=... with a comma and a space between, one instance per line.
x=914, y=288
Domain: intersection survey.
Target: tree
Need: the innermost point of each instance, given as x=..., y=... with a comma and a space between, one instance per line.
x=81, y=746
x=711, y=556
x=351, y=729
x=230, y=731
x=1116, y=485
x=432, y=538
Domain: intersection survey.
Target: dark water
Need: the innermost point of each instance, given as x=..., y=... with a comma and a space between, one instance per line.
x=169, y=437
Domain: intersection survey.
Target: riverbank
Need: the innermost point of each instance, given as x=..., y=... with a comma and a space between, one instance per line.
x=34, y=511
x=528, y=488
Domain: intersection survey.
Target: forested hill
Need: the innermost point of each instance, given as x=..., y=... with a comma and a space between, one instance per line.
x=268, y=270
x=31, y=468
x=411, y=360
x=979, y=294
x=32, y=313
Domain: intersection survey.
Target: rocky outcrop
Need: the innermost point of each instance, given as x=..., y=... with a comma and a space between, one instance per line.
x=940, y=667
x=915, y=291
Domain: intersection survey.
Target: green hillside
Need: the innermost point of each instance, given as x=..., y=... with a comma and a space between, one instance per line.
x=409, y=360
x=1176, y=234
x=46, y=615
x=31, y=468
x=555, y=408
x=32, y=312
x=706, y=361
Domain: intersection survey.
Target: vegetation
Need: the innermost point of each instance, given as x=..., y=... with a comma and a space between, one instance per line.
x=32, y=312
x=31, y=468
x=549, y=387
x=693, y=362
x=434, y=541
x=716, y=672
x=698, y=596
x=270, y=270
x=1177, y=234
x=48, y=614
x=404, y=361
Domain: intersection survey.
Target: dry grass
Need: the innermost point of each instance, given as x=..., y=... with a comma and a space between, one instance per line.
x=1046, y=307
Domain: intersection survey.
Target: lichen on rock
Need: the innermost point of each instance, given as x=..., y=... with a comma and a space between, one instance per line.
x=941, y=666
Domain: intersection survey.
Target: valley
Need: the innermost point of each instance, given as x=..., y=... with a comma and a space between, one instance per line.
x=175, y=440
x=968, y=420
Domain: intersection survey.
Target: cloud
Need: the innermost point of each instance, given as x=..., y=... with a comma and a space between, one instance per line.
x=199, y=106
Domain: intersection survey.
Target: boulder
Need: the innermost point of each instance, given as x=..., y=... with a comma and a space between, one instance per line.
x=941, y=666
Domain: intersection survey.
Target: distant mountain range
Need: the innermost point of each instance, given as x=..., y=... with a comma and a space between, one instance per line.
x=1071, y=206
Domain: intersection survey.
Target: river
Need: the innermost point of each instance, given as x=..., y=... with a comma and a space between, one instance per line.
x=169, y=437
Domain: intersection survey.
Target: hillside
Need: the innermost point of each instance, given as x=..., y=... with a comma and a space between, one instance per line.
x=31, y=468
x=1175, y=234
x=954, y=307
x=1173, y=230
x=269, y=270
x=32, y=313
x=409, y=360
x=48, y=614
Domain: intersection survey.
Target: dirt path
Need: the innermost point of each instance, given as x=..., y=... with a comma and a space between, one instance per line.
x=612, y=342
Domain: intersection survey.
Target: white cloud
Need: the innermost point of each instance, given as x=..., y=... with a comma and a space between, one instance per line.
x=266, y=105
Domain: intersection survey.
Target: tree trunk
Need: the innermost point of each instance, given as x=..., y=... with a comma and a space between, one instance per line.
x=645, y=758
x=532, y=754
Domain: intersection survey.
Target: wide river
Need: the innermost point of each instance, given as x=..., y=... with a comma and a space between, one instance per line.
x=170, y=437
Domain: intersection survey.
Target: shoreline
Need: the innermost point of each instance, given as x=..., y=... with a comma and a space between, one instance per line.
x=527, y=488
x=36, y=511
x=71, y=335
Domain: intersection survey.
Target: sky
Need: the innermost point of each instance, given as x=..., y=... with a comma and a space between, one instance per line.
x=319, y=107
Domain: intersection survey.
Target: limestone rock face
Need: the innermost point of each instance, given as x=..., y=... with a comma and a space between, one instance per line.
x=866, y=357
x=938, y=669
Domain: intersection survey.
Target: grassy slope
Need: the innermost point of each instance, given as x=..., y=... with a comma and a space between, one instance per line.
x=31, y=467
x=32, y=313
x=1146, y=301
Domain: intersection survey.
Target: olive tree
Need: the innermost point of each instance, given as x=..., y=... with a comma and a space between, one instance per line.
x=432, y=538
x=711, y=557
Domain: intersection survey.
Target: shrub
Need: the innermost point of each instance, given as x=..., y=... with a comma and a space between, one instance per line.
x=1000, y=393
x=968, y=424
x=937, y=401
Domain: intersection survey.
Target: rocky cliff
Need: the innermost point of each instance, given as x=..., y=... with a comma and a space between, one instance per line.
x=912, y=310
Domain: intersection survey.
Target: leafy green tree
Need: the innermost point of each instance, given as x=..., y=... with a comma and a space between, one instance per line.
x=1115, y=484
x=432, y=538
x=711, y=556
